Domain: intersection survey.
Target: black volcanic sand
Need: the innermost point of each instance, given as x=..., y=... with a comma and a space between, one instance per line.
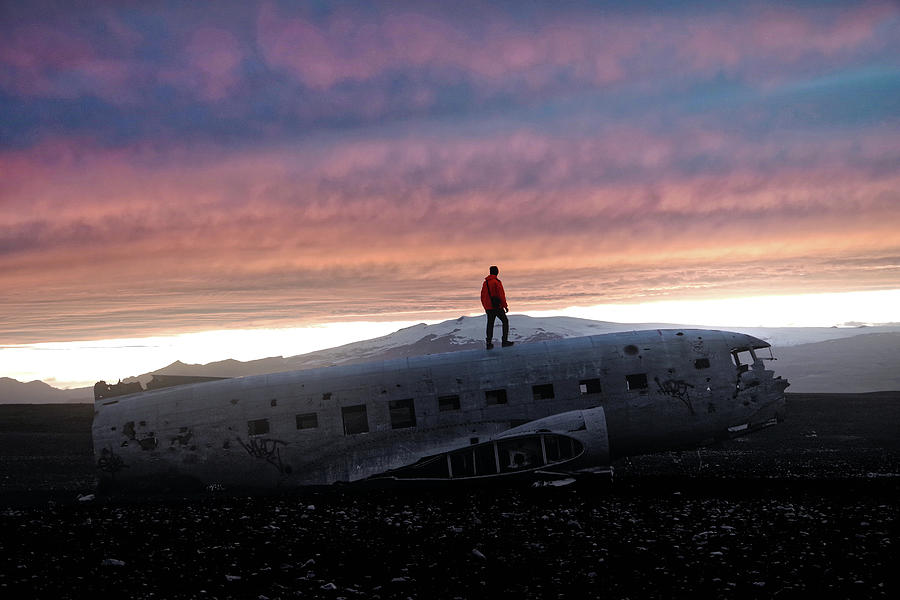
x=805, y=509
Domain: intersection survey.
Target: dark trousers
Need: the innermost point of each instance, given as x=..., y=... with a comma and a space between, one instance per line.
x=496, y=313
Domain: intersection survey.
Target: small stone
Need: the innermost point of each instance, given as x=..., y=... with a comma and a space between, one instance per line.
x=112, y=562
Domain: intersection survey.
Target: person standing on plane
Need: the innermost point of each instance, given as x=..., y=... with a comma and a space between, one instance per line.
x=493, y=299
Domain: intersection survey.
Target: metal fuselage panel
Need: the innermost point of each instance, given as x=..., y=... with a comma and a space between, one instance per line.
x=658, y=390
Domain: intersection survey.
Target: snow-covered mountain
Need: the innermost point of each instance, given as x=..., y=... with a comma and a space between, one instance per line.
x=813, y=359
x=464, y=333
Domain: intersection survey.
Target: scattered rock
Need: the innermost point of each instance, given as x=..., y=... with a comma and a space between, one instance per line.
x=112, y=562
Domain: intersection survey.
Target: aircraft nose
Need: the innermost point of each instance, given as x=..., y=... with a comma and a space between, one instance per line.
x=781, y=384
x=773, y=411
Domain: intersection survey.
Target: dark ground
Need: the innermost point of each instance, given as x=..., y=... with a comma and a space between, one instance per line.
x=805, y=509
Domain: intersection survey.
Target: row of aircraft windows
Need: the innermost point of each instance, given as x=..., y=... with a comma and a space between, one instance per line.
x=403, y=413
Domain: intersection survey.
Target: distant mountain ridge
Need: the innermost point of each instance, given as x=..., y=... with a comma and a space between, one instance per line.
x=813, y=359
x=13, y=391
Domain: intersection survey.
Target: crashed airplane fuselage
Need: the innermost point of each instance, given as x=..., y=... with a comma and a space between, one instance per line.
x=545, y=408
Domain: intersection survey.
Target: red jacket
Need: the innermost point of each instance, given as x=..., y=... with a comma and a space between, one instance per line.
x=492, y=287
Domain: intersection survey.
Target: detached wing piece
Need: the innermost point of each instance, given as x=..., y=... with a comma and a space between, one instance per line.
x=563, y=443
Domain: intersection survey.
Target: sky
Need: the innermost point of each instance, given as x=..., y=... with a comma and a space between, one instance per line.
x=332, y=170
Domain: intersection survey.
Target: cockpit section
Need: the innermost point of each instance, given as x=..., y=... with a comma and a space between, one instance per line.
x=747, y=357
x=759, y=394
x=505, y=456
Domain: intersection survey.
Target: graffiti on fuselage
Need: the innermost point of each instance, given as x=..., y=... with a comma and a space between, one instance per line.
x=676, y=388
x=266, y=449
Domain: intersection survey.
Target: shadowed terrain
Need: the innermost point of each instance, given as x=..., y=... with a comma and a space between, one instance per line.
x=807, y=508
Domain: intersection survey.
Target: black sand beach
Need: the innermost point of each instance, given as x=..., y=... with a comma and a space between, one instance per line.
x=805, y=509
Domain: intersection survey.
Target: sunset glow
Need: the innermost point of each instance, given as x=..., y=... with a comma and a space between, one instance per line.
x=80, y=363
x=211, y=183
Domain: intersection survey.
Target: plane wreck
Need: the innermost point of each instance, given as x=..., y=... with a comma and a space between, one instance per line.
x=545, y=409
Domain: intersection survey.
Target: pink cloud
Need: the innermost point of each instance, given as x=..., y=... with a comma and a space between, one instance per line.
x=764, y=46
x=391, y=200
x=213, y=65
x=50, y=62
x=304, y=49
x=124, y=36
x=796, y=32
x=594, y=48
x=348, y=47
x=494, y=53
x=36, y=54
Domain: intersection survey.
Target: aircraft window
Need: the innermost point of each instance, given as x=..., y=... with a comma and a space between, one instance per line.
x=356, y=419
x=590, y=386
x=742, y=359
x=543, y=391
x=258, y=427
x=559, y=448
x=701, y=363
x=462, y=464
x=307, y=421
x=485, y=460
x=446, y=403
x=521, y=453
x=495, y=397
x=638, y=381
x=403, y=413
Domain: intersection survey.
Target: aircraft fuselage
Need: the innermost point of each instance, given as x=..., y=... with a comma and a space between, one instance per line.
x=561, y=406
